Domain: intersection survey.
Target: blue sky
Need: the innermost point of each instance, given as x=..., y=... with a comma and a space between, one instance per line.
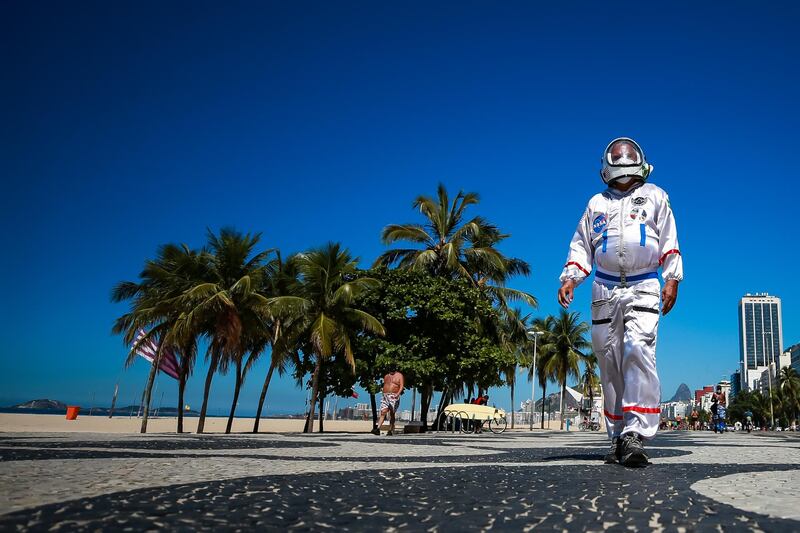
x=128, y=125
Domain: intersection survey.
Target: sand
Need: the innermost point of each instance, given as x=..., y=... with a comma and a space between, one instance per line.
x=122, y=424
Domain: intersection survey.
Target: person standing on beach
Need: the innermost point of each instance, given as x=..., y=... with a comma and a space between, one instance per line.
x=393, y=384
x=628, y=231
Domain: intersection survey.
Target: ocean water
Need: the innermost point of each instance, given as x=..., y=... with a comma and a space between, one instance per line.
x=126, y=411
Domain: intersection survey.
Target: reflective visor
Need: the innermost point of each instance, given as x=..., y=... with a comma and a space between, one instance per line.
x=623, y=153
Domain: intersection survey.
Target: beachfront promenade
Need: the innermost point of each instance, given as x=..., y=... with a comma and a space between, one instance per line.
x=86, y=481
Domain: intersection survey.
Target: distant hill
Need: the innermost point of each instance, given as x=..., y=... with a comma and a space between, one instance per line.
x=682, y=394
x=57, y=406
x=40, y=404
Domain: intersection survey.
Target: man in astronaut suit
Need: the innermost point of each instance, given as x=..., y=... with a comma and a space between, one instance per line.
x=628, y=231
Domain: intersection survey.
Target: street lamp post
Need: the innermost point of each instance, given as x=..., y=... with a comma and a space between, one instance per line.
x=533, y=375
x=769, y=370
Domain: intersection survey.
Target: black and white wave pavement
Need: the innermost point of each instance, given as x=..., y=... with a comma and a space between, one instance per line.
x=434, y=482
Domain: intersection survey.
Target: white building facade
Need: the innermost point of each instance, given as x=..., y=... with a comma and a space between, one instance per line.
x=769, y=378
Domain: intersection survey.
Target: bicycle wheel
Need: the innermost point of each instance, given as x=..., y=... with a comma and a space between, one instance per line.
x=466, y=422
x=498, y=424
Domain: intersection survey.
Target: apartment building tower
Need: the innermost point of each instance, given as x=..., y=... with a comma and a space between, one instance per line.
x=760, y=336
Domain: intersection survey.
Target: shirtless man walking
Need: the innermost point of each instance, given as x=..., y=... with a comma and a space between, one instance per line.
x=393, y=384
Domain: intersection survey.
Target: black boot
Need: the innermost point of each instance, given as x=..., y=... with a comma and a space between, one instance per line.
x=614, y=452
x=632, y=451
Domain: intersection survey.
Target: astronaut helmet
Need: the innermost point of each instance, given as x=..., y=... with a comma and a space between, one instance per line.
x=623, y=159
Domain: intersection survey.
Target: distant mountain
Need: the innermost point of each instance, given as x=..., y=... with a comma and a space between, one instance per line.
x=682, y=394
x=122, y=411
x=40, y=404
x=552, y=402
x=55, y=405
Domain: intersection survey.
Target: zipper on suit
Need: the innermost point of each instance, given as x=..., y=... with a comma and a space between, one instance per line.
x=621, y=241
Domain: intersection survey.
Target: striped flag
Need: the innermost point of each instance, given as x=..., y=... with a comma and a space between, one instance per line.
x=148, y=350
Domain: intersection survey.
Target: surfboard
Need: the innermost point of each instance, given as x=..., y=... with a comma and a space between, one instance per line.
x=478, y=412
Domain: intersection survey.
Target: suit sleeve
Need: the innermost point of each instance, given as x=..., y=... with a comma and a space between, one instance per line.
x=671, y=261
x=581, y=253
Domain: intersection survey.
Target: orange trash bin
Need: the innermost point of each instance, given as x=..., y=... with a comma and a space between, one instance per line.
x=72, y=412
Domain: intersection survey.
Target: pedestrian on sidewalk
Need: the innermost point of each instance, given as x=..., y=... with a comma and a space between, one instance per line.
x=393, y=385
x=628, y=231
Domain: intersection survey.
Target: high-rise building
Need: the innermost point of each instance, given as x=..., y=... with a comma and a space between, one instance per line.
x=760, y=336
x=736, y=383
x=794, y=357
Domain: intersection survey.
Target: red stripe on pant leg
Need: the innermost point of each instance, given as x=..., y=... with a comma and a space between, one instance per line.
x=645, y=410
x=612, y=417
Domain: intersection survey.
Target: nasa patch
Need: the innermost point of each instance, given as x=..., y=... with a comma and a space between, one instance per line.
x=599, y=223
x=639, y=200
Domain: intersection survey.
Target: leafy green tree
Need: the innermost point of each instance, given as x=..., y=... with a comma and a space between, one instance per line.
x=435, y=335
x=324, y=308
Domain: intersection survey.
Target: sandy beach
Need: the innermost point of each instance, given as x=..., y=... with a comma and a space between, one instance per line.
x=123, y=424
x=15, y=423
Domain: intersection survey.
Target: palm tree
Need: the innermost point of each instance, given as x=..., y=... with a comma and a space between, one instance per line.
x=590, y=379
x=514, y=339
x=544, y=373
x=565, y=343
x=283, y=281
x=257, y=339
x=789, y=382
x=454, y=247
x=187, y=354
x=761, y=408
x=227, y=303
x=156, y=306
x=323, y=309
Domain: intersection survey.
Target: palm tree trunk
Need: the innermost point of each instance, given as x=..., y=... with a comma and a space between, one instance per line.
x=512, y=398
x=315, y=384
x=209, y=376
x=374, y=406
x=237, y=388
x=563, y=392
x=263, y=396
x=440, y=408
x=321, y=412
x=272, y=365
x=181, y=389
x=308, y=421
x=426, y=395
x=149, y=388
x=185, y=362
x=544, y=395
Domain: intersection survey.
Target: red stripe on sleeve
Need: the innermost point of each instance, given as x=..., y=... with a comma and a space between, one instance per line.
x=661, y=261
x=577, y=265
x=612, y=417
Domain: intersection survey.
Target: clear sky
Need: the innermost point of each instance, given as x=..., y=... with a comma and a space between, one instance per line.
x=126, y=125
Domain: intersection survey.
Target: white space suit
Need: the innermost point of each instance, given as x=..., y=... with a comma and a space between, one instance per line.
x=628, y=235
